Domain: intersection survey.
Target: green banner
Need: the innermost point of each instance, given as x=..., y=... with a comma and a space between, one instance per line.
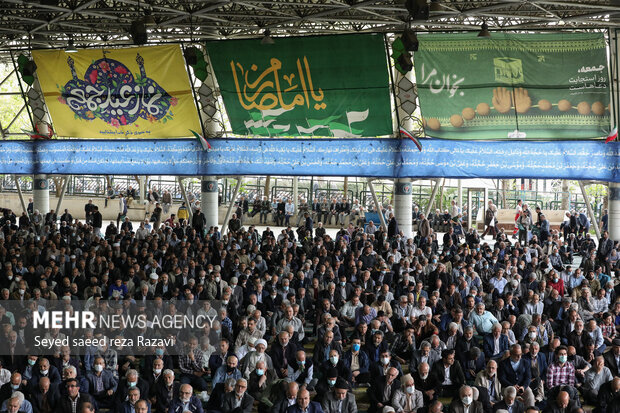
x=513, y=86
x=334, y=86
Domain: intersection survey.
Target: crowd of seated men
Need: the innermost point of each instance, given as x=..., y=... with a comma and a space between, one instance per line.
x=307, y=322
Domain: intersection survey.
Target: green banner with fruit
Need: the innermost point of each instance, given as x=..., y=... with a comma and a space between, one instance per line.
x=514, y=86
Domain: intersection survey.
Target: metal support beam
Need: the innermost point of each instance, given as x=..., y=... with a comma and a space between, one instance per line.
x=232, y=204
x=19, y=193
x=459, y=194
x=438, y=182
x=62, y=194
x=470, y=213
x=376, y=201
x=586, y=199
x=185, y=198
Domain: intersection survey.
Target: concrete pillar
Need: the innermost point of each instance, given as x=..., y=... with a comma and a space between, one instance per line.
x=208, y=200
x=403, y=207
x=614, y=211
x=41, y=194
x=296, y=193
x=143, y=190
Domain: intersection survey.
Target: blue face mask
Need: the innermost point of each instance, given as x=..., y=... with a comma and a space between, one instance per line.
x=356, y=347
x=301, y=362
x=331, y=382
x=260, y=372
x=159, y=352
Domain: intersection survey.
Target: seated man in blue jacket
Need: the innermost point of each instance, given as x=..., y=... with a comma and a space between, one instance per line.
x=496, y=343
x=515, y=371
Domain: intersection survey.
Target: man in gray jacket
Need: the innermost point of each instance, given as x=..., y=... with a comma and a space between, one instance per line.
x=340, y=400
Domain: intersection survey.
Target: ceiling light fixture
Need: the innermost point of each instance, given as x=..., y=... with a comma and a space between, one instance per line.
x=484, y=31
x=267, y=38
x=70, y=47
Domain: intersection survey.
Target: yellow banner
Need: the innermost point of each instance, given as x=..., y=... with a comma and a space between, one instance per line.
x=137, y=92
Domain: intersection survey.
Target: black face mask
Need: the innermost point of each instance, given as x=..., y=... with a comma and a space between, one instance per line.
x=230, y=369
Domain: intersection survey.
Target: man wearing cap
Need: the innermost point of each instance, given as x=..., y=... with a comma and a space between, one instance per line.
x=326, y=383
x=339, y=400
x=253, y=357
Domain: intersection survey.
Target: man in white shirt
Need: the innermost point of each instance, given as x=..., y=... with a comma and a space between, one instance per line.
x=422, y=309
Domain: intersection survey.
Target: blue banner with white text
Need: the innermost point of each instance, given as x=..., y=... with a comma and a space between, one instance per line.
x=388, y=158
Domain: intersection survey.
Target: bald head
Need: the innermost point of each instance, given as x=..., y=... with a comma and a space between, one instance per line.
x=303, y=399
x=291, y=389
x=563, y=399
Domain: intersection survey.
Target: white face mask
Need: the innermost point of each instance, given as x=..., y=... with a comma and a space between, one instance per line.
x=156, y=371
x=98, y=367
x=467, y=400
x=410, y=389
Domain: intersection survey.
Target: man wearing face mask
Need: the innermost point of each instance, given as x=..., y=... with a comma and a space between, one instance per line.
x=130, y=381
x=407, y=399
x=186, y=402
x=357, y=362
x=466, y=402
x=302, y=371
x=102, y=383
x=259, y=382
x=334, y=362
x=43, y=369
x=326, y=384
x=14, y=384
x=340, y=400
x=227, y=371
x=561, y=372
x=155, y=376
x=385, y=362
